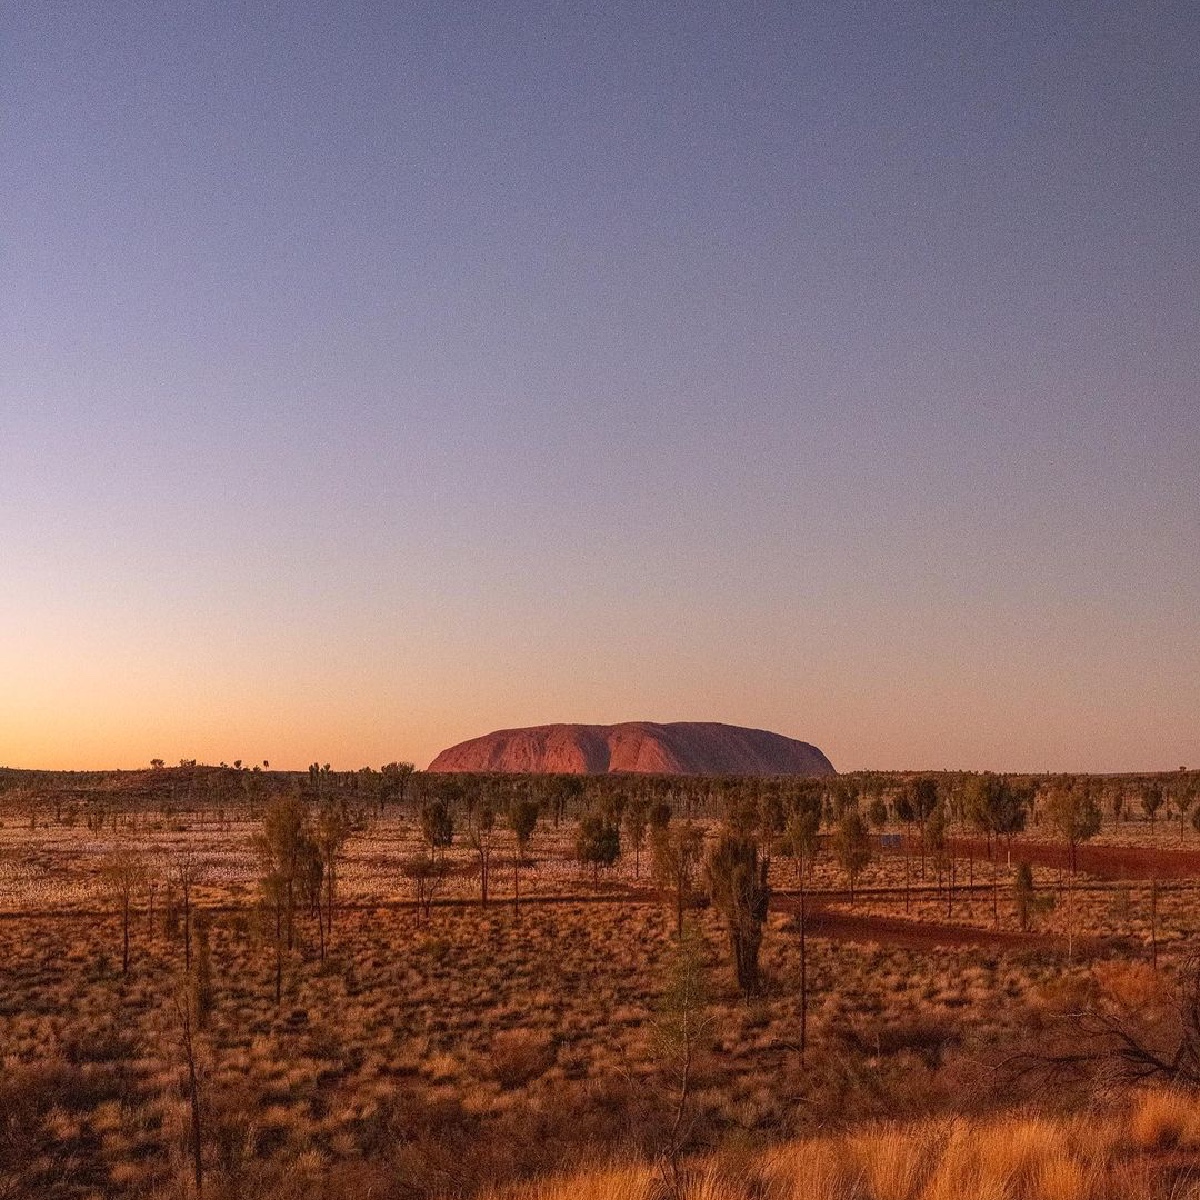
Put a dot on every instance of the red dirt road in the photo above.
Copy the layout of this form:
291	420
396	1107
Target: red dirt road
1102	862
922	935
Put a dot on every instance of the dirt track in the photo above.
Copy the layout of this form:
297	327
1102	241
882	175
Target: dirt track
924	935
1102	862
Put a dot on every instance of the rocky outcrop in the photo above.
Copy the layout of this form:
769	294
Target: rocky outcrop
645	747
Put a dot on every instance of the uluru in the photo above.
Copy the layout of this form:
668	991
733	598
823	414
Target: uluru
642	747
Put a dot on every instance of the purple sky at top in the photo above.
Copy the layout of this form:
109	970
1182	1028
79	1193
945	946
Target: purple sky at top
373	376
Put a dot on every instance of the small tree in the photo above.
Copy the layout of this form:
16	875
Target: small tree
522	820
1183	796
123	873
481	826
1075	815
285	848
998	808
660	816
1029	903
598	842
333	832
1152	800
935	837
426	874
801	837
681	1025
188	1024
396	777
676	851
282	845
851	846
637	822
924	802
183	875
905	810
437	825
737	879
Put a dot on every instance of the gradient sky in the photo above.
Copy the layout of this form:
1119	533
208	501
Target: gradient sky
376	375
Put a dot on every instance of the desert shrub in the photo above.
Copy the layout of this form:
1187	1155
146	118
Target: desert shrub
1164	1119
519	1056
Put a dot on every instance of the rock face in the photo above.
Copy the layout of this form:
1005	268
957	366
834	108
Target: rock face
677	748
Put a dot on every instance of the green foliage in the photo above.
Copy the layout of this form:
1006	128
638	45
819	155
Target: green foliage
396	776
677	850
742	814
851	846
996	805
437	824
637	822
1152	799
681	1012
1073	812
924	797
935	830
287	853
737	879
598	841
801	835
481	824
522	820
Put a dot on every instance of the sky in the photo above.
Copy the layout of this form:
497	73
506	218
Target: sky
376	375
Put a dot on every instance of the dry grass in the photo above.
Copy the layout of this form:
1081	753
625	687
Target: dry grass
472	1049
1014	1158
446	1058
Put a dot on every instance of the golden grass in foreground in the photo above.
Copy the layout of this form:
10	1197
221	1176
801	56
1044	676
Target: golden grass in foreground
1148	1155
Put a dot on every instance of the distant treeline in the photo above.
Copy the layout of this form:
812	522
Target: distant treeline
237	791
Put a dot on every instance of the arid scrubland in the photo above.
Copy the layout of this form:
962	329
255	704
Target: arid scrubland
244	998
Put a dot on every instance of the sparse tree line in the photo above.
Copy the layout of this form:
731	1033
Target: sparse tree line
660	824
237	788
